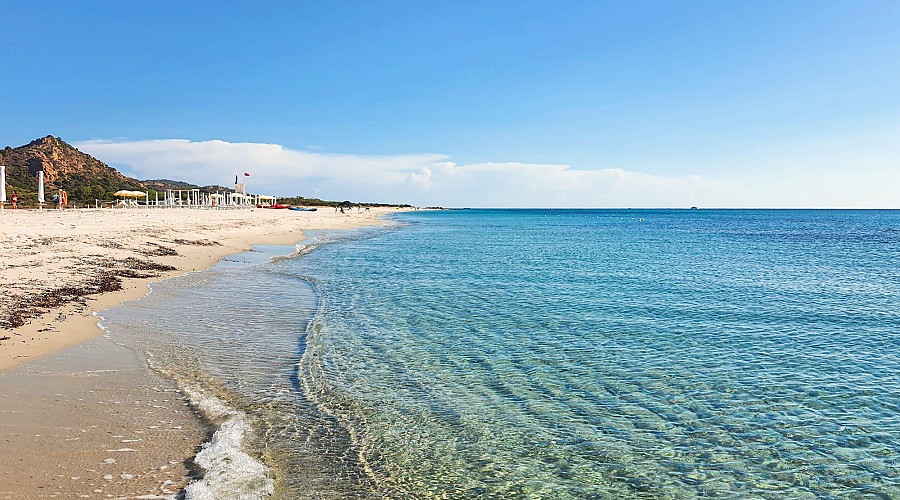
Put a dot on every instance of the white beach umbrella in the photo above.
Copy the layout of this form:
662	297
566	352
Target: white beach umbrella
2	183
41	186
130	194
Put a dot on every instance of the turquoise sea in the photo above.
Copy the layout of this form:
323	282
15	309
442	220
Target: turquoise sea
545	354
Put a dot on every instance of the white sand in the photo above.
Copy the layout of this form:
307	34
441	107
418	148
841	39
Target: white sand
43	252
91	420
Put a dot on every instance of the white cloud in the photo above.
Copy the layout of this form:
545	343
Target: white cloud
431	179
422	179
272	168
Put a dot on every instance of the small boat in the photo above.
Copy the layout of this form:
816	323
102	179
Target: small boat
277	205
304	209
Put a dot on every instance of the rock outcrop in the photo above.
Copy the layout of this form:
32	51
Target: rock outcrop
84	177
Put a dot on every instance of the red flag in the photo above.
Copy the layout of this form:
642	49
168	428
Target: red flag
246	174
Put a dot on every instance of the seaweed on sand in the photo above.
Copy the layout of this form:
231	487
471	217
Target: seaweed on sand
20	309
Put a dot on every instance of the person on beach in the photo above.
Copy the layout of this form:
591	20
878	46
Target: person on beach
15	200
56	200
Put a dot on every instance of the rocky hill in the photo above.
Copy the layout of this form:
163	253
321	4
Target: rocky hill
84	177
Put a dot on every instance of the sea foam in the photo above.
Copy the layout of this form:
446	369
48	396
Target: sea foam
230	472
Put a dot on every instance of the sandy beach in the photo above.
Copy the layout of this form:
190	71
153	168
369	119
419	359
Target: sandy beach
79	416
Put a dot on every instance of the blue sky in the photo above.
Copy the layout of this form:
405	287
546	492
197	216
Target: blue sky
719	103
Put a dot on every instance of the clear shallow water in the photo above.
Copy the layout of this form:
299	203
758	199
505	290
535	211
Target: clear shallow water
563	354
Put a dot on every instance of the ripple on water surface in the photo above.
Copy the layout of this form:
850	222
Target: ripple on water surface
566	354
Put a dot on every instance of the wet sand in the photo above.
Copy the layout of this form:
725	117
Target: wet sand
92	421
81	417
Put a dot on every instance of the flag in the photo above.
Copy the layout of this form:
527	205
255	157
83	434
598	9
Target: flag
235	179
246	174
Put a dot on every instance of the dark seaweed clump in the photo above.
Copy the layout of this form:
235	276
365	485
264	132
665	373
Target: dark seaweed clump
132	267
157	250
202	243
30	305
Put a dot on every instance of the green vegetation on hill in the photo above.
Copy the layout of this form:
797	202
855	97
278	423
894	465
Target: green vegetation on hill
84	177
87	179
316	202
163	184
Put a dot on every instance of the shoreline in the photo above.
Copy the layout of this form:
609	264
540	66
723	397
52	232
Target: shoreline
192	255
65	344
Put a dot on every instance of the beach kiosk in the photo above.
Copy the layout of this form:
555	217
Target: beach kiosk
265	200
239	199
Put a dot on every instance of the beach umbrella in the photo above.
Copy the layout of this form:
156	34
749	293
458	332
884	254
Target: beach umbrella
124	193
40	186
2	183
